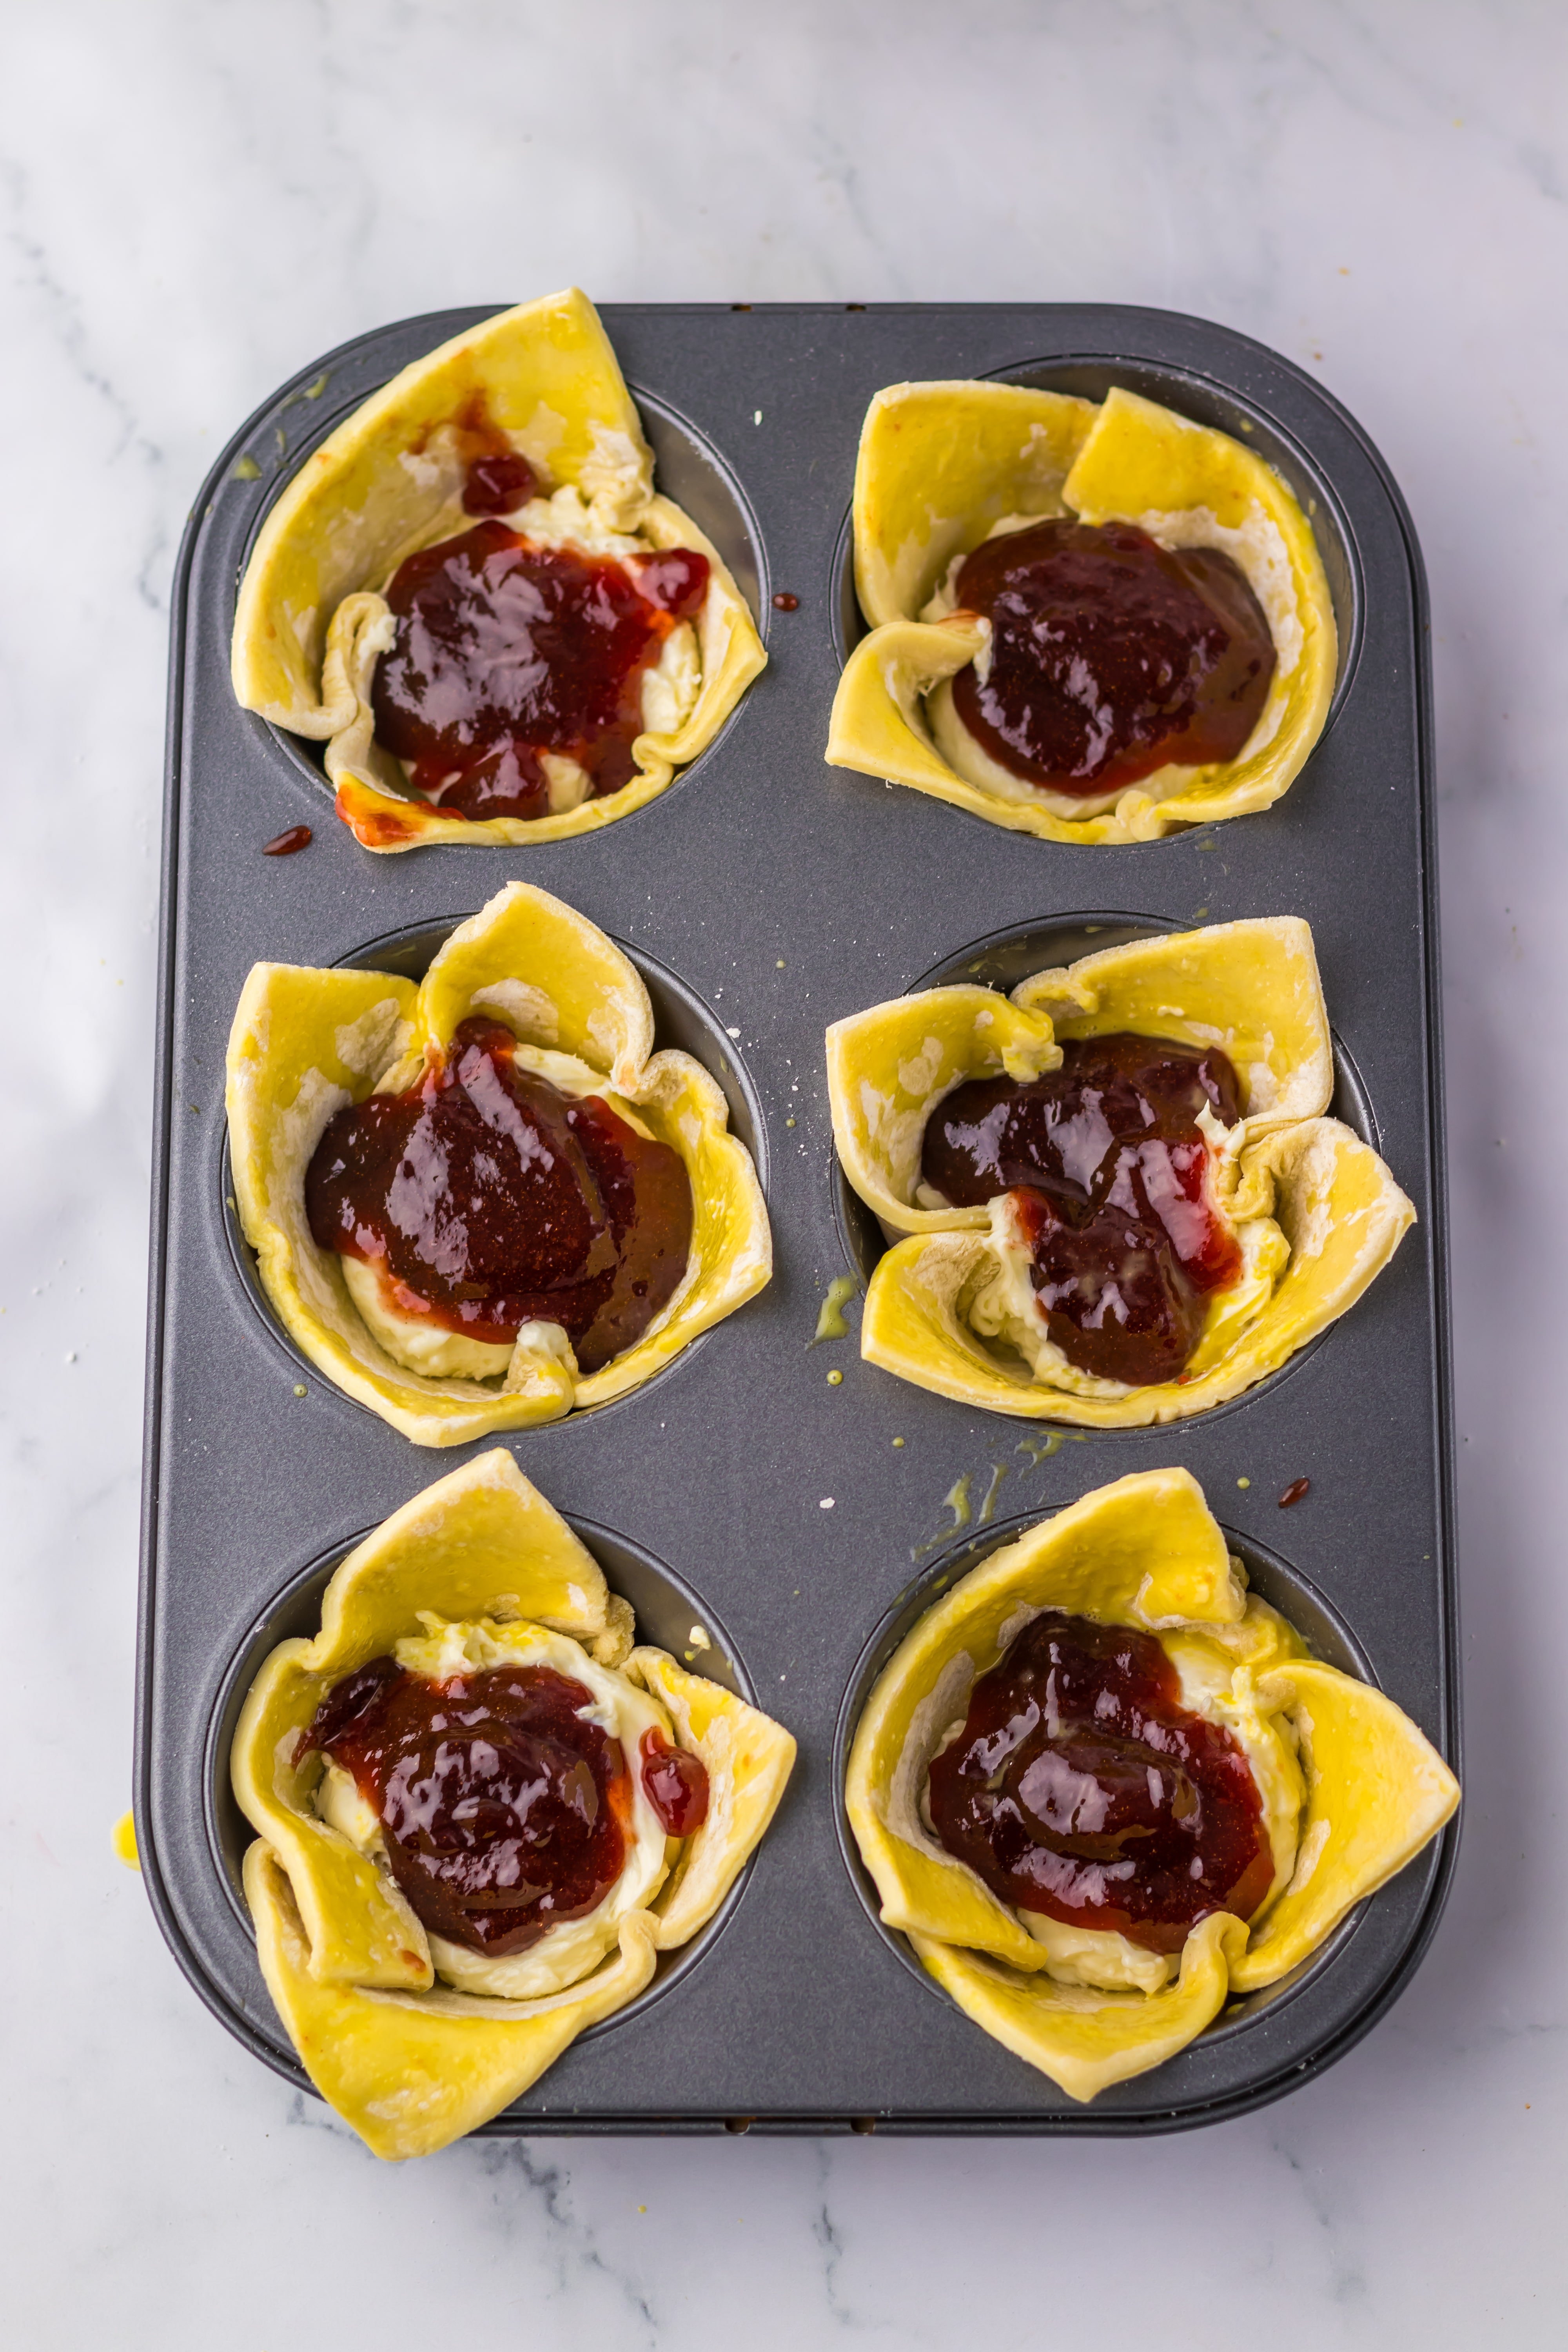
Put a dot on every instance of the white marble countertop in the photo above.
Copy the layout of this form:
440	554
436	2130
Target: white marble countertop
198	199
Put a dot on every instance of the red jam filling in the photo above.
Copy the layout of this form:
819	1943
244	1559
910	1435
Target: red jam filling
495	485
1080	1787
504	649
489	1199
504	1810
1111	655
675	1783
1108	1169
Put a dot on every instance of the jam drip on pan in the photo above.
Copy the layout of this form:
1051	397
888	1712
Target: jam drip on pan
1108	1169
504	1810
1080	1787
505	649
1111	655
489	1199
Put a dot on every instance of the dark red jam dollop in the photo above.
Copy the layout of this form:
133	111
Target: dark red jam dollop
1108	1167
490	1199
504	649
497	484
1079	1786
504	1810
1109	654
675	1783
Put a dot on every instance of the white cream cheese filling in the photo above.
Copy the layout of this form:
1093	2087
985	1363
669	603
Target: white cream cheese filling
569	1952
1214	1686
418	1342
670	688
1257	547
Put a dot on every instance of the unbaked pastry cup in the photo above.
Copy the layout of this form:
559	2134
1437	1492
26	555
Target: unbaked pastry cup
940	464
1144	1551
1251	987
305	1041
408	2063
388	479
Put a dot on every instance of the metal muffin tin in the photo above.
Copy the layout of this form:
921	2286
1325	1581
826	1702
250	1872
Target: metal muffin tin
764	895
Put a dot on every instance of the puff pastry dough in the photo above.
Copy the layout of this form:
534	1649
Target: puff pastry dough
410	2064
940	465
304	1042
1250	987
1144	1551
309	621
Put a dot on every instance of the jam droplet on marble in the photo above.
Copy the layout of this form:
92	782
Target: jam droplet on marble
676	1784
287	843
1109	1170
489	1199
1111	655
1081	1788
504	649
504	1810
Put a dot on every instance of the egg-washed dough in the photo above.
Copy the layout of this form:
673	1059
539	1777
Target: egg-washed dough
1316	1212
311	618
1353	1790
941	467
304	1042
479	1560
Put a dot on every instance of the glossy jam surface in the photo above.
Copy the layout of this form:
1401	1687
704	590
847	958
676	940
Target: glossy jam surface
505	1812
1111	655
288	843
1108	1171
1079	1786
504	649
498	483
675	1783
490	1199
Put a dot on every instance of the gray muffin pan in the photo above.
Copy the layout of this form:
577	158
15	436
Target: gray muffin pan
764	895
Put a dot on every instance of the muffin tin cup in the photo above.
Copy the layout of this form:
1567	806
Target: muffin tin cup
680	1020
765	894
667	1611
689	470
1268	1575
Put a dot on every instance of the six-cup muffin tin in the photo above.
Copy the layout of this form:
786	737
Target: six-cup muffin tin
764	895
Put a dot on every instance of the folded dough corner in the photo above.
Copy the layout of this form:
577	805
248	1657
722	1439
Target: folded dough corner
941	467
312	616
481	1558
1353	1789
